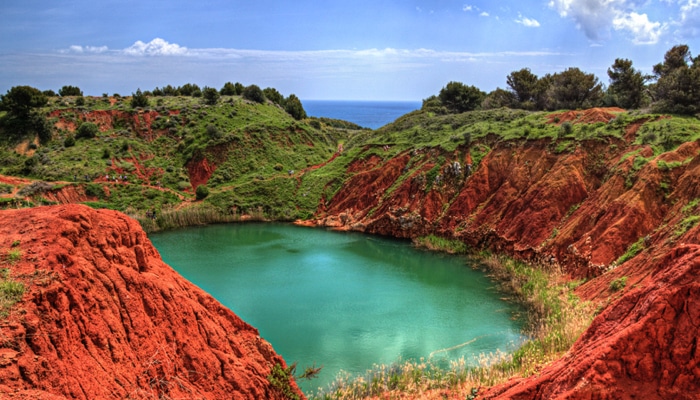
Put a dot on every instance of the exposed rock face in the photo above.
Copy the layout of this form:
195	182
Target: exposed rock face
104	317
579	209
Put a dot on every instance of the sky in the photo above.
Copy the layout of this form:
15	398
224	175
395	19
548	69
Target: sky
332	49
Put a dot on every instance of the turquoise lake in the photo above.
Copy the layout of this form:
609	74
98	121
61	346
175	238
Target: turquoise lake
344	301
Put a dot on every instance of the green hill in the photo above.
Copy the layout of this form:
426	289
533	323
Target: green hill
251	156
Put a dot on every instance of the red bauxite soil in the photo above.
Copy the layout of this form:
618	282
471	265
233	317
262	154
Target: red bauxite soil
645	346
103	317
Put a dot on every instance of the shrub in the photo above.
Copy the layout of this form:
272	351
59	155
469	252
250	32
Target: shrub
69	141
213	132
94	190
254	93
14	255
69	90
211	95
280	378
634	249
202	192
138	99
10	293
566	128
87	130
293	107
618	284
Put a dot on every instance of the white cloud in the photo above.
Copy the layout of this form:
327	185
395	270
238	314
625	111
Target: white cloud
596	17
467	7
156	47
160	47
484	14
85	49
643	31
528	22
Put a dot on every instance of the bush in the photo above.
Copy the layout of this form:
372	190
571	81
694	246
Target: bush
254	93
566	128
69	90
293	107
69	141
87	130
138	99
618	284
211	95
202	192
213	132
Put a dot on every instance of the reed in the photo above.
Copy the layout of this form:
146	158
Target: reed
438	243
171	218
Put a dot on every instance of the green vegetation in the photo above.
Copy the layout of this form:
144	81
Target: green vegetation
432	242
137	160
280	379
202	192
11	290
686	224
634	249
556	316
13	256
139	100
618	284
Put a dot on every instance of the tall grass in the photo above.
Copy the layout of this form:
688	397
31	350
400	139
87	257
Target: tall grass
171	218
556	318
438	243
11	292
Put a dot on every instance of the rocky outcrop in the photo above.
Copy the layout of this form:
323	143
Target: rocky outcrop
103	317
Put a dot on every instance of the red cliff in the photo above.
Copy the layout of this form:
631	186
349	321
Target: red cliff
103	317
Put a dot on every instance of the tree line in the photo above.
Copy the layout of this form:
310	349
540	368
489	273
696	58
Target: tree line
290	104
674	87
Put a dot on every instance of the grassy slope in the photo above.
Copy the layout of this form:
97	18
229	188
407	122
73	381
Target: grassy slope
252	147
264	160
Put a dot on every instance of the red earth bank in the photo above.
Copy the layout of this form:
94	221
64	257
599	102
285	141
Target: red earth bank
103	317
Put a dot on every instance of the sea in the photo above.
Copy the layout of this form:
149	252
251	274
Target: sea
367	114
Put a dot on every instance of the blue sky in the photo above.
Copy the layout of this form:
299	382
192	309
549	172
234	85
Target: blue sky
359	50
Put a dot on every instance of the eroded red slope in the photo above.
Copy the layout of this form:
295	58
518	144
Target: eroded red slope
104	317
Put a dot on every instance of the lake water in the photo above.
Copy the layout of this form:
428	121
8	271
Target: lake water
340	300
368	114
